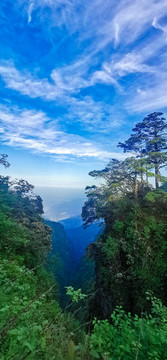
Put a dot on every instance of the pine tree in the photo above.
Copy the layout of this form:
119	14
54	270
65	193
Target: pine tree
148	142
154	128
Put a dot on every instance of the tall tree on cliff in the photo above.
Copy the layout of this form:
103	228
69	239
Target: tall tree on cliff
136	144
119	178
130	256
155	132
149	143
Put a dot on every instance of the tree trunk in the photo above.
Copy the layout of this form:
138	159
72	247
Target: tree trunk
156	176
135	185
142	181
141	165
147	178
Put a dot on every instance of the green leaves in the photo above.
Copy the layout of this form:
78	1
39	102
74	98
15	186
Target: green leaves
31	324
110	248
128	338
76	295
159	194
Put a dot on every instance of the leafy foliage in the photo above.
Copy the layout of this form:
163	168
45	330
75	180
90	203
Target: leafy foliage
127	337
149	142
130	256
4	161
76	295
23	231
32	325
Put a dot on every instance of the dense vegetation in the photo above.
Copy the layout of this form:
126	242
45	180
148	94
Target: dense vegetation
124	314
32	325
131	254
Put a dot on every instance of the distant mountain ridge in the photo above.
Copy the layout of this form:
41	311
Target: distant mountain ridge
72	222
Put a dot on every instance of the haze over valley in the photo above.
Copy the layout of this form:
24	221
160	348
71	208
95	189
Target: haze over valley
61	203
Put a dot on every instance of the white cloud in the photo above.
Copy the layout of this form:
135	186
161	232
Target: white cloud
147	91
150	98
66	80
118	22
131	17
156	25
61	13
93	115
136	61
121	66
33	130
26	84
103	76
72	78
115	23
130	63
134	17
103	22
30	10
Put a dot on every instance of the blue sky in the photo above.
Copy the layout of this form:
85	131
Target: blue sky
75	76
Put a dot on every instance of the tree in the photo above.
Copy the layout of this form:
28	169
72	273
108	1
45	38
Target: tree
154	127
22	187
3	160
136	144
90	213
149	143
119	179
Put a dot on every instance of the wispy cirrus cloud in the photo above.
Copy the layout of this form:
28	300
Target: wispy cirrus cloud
133	18
149	97
33	130
95	116
116	20
147	64
119	24
66	80
156	24
139	60
64	88
27	84
53	13
114	70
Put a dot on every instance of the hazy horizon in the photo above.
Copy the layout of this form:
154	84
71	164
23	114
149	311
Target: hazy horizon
61	203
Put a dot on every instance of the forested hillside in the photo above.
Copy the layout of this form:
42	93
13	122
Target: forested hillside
32	325
122	313
131	255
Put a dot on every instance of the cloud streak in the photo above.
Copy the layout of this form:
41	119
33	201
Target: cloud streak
33	130
117	21
28	85
92	115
